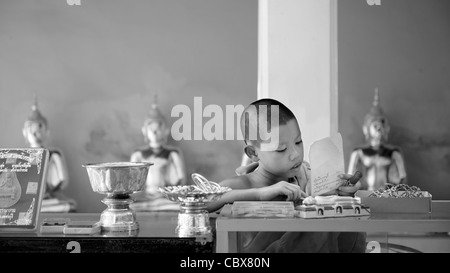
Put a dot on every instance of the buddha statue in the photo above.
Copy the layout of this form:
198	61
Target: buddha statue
36	134
381	163
168	167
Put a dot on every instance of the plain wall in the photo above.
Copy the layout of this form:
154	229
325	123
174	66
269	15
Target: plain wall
401	47
96	67
295	63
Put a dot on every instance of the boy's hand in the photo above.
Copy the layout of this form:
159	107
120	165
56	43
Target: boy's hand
291	191
348	190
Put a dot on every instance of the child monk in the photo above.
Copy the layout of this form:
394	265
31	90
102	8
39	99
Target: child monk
280	173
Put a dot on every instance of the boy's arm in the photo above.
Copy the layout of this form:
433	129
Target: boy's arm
232	196
242	191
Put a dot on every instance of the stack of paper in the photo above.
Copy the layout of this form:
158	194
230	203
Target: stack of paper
263	209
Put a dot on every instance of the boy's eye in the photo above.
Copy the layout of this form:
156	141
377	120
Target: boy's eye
280	151
299	142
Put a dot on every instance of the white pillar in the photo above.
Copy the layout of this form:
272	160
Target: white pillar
297	62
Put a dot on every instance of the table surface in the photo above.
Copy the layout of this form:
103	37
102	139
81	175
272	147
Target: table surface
437	221
228	227
151	225
157	230
156	234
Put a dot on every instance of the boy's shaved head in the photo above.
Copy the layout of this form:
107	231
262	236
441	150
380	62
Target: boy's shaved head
260	116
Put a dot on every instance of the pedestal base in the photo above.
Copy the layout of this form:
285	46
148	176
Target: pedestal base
118	217
193	221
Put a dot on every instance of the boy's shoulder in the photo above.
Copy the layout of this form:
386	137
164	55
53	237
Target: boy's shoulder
237	182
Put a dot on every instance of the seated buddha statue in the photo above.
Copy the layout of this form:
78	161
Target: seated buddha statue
168	167
381	163
36	134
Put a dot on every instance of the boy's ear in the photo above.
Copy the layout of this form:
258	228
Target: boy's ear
250	151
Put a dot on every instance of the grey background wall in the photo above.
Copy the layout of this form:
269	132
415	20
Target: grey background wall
96	68
403	48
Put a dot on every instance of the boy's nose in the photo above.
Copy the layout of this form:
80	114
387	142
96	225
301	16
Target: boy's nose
294	155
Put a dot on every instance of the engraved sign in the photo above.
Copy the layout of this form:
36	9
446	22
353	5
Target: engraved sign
22	173
10	190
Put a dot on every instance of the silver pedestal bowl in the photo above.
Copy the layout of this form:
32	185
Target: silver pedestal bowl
118	180
193	218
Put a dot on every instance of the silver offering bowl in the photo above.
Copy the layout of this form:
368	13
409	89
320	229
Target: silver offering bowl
193	218
118	180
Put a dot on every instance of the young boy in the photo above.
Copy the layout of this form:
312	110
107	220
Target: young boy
280	174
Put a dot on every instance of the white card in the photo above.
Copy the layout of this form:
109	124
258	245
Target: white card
326	157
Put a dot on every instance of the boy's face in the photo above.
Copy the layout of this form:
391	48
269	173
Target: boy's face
286	160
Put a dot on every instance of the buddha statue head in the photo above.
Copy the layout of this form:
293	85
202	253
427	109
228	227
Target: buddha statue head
35	129
155	129
376	127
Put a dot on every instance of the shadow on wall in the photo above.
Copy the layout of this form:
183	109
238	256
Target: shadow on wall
96	67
